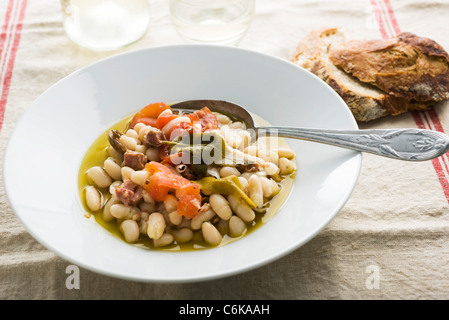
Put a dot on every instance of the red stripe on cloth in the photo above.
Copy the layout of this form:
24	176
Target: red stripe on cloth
435	162
435	120
5	25
15	40
393	20
431	113
378	16
438	127
430	125
418	120
441	176
5	39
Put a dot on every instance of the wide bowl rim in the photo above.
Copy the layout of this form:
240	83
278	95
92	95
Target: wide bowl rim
257	264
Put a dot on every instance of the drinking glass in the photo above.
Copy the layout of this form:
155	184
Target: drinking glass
105	24
212	21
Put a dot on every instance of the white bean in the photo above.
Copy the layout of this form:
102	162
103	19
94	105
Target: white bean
128	142
251	150
156	225
114	154
112	168
237	125
99	177
246	175
276	188
241	209
246	139
201	217
268	156
152	154
139	177
107	216
229	171
164	240
143	223
210	234
147	197
285	153
261	173
132	133
271	169
138	126
122	212
141	148
243	182
233	140
255	190
175	218
286	166
223	119
112	188
236	227
170	203
182	235
127	172
130	230
221	206
93	198
267	187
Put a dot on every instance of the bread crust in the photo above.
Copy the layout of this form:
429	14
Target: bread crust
406	66
365	101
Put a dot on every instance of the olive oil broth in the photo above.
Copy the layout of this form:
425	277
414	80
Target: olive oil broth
97	153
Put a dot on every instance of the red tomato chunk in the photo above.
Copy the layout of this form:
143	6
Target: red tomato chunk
163	180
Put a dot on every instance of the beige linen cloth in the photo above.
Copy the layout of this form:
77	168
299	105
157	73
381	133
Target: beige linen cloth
391	239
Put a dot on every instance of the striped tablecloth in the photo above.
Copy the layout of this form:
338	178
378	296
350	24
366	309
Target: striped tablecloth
390	241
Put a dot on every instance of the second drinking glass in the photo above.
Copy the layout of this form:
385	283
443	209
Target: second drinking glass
212	21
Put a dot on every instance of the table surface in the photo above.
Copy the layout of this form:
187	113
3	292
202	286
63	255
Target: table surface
389	241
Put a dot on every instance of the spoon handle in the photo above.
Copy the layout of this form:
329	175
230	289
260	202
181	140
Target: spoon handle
403	144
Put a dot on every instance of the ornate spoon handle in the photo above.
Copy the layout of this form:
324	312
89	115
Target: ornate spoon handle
402	144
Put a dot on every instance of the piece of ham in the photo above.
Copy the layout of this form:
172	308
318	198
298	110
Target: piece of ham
135	160
153	138
129	193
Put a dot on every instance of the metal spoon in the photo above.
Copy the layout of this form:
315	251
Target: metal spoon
403	144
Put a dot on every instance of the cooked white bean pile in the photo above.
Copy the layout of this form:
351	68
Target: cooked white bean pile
221	216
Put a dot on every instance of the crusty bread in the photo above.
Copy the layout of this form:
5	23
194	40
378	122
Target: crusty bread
406	66
365	101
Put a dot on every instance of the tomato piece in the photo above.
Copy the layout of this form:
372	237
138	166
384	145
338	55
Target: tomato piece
152	110
156	190
164	118
152	167
189	200
163	180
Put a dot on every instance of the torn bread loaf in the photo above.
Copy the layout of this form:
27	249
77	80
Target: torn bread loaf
406	66
365	101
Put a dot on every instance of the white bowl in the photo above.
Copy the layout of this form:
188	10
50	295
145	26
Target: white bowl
45	150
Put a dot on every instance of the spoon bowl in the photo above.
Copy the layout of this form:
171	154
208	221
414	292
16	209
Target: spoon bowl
403	144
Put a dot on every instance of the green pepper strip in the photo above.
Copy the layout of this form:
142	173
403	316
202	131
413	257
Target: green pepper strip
227	186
